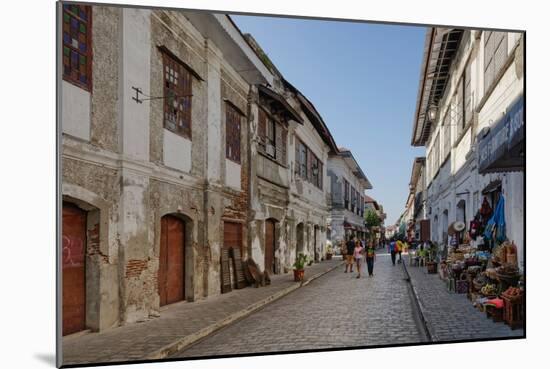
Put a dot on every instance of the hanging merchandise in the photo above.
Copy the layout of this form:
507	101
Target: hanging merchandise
475	227
485	210
496	225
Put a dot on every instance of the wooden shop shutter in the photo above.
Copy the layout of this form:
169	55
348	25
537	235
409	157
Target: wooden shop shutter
238	268
225	274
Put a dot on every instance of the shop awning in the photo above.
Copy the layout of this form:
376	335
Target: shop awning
501	148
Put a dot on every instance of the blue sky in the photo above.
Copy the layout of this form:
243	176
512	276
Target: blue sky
363	79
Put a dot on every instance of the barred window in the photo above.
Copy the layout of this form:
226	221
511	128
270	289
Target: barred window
177	92
77	45
232	134
495	54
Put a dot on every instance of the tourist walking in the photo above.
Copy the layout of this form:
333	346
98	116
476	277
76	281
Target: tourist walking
350	246
391	247
358	255
399	249
370	257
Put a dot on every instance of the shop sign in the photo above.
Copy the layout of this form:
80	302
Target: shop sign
503	147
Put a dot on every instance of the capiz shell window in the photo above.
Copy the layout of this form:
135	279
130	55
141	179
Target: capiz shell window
77	45
177	96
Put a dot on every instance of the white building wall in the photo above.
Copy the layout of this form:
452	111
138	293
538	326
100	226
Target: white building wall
464	181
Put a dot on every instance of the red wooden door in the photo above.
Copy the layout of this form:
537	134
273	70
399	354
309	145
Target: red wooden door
232	235
171	274
270	245
74	269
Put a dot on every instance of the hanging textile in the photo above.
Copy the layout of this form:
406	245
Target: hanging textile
496	225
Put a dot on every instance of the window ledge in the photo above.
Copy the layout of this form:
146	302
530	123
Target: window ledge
271	158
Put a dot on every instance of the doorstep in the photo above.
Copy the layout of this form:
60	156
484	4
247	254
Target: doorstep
182	324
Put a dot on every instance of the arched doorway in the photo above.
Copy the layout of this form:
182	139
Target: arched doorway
299	239
269	254
171	274
74	242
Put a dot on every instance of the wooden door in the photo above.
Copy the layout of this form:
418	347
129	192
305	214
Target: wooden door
232	235
171	276
270	245
74	268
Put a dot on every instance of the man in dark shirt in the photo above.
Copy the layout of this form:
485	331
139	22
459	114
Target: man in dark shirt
350	246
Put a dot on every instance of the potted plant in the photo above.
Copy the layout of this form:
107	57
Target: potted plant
330	251
299	267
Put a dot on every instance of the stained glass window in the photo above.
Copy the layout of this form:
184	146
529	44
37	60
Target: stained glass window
77	46
177	93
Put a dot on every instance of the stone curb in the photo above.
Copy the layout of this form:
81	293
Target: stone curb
425	324
188	340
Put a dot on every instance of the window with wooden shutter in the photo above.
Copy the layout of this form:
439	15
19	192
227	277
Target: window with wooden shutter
262	124
232	134
495	54
346	194
437	153
278	141
282	145
297	162
468	94
309	165
447	134
459	96
77	45
270	146
303	161
321	175
177	96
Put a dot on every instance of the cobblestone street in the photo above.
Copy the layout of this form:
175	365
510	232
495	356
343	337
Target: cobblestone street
336	310
451	316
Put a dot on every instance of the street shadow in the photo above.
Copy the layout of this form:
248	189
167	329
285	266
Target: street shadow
46	358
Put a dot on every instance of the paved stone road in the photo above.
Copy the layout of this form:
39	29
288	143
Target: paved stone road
451	316
336	310
138	341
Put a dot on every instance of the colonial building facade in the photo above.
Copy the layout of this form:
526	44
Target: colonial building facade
470	118
155	158
289	189
182	145
348	184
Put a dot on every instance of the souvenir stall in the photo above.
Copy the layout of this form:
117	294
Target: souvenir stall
483	265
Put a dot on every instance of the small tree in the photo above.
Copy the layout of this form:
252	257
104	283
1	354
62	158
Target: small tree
372	219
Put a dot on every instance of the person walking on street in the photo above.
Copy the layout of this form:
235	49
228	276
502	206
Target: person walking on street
350	246
371	256
358	255
399	249
391	248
